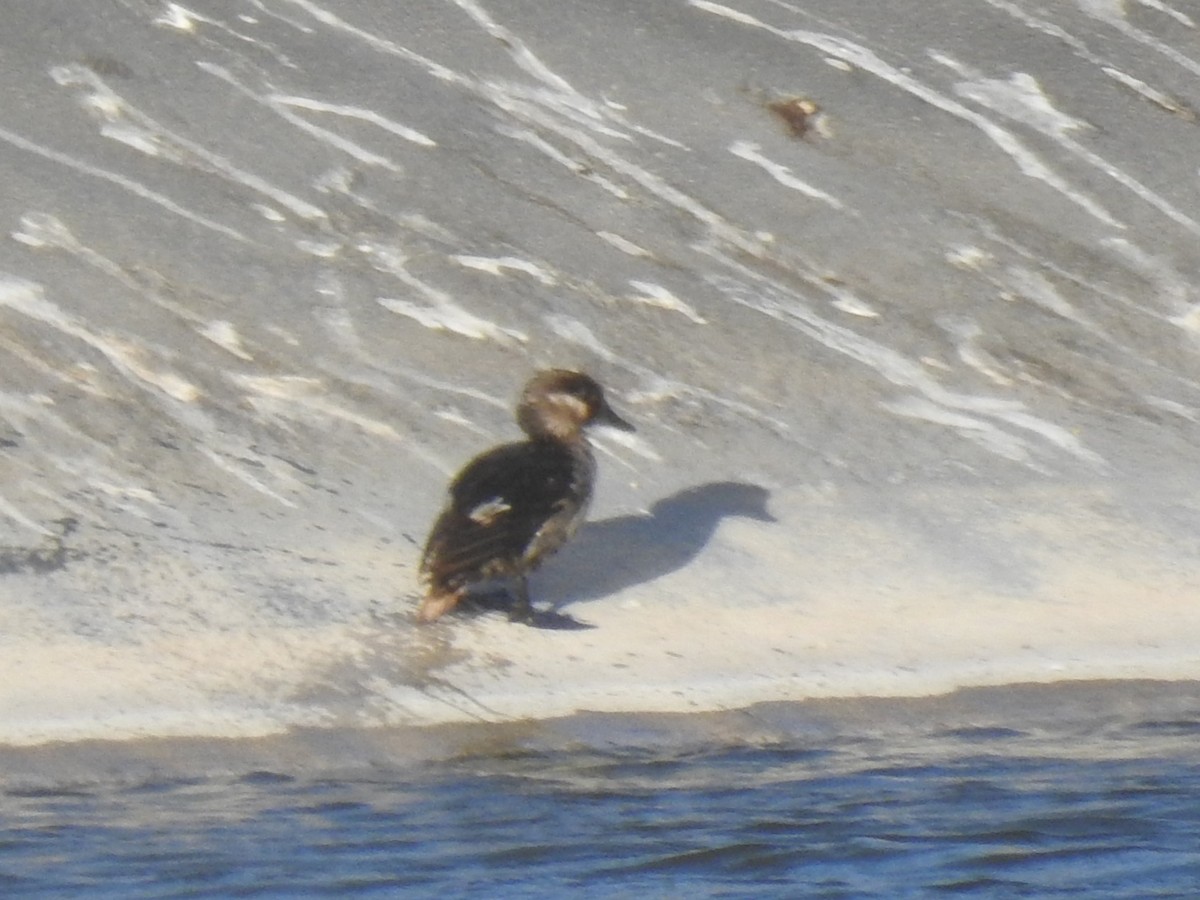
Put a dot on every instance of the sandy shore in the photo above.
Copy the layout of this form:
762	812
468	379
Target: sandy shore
841	599
915	372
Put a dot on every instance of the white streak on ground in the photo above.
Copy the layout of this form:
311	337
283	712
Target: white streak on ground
969	257
1112	12
634	443
855	307
1173	407
1035	287
1153	94
130	499
1157	5
339	326
126	356
128	184
1171	285
442	313
283	104
119	120
521	53
14	514
982	432
658	296
575	166
243	476
623	244
773	301
304	29
224	334
355	112
44	231
751	153
383	45
1022	99
177	17
864	59
183	19
498	265
561	93
551	107
303	398
336	141
653	184
965	333
446	315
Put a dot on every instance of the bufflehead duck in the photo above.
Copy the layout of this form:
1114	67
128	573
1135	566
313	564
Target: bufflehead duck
516	504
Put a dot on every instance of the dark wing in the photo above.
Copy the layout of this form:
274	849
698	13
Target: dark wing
498	503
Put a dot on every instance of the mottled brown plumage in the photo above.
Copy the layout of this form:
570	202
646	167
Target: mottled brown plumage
516	504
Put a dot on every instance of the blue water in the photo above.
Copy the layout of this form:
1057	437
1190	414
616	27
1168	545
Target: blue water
1081	811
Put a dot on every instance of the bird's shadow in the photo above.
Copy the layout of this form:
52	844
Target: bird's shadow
499	600
613	554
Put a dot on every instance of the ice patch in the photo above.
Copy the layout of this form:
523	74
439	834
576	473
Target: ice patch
175	16
1019	98
320	249
658	296
625	246
969	257
224	334
497	266
855	307
449	316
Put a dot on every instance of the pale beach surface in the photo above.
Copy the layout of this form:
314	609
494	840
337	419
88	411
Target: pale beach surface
916	373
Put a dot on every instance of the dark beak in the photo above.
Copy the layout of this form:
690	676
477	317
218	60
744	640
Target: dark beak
606	416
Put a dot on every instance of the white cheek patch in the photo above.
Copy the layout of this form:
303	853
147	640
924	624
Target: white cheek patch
487	512
572	405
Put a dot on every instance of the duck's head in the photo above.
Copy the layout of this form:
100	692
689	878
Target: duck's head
558	404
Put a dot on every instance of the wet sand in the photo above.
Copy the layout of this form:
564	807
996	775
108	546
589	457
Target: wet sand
1086	710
